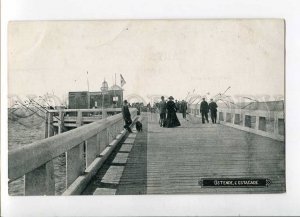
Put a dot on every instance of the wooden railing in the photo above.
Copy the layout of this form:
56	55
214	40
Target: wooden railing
86	148
58	121
262	122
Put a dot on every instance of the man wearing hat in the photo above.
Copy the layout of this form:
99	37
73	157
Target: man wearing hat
126	116
204	110
213	110
162	111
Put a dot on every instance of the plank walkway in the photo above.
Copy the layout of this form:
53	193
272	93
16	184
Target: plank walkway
172	160
178	157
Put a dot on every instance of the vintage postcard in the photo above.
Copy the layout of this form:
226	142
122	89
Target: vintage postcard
137	107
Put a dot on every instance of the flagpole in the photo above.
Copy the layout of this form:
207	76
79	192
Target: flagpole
122	91
87	79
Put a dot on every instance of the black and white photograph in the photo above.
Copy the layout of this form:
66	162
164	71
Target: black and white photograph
143	107
150	108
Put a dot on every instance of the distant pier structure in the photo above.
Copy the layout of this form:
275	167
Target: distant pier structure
108	97
84	107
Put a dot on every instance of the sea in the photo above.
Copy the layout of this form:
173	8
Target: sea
24	127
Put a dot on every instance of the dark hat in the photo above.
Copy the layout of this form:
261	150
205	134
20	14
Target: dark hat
171	97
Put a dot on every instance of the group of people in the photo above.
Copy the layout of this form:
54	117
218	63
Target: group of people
168	117
204	109
167	113
168	110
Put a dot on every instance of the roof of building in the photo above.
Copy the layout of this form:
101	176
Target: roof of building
115	87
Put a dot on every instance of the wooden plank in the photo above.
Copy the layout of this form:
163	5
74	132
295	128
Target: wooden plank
178	157
129	140
113	175
40	181
126	148
121	158
75	163
105	191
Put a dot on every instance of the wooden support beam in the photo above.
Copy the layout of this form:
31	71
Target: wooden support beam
75	163
50	125
40	181
79	119
92	150
46	124
60	121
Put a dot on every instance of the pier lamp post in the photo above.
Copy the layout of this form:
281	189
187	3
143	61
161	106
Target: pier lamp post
104	90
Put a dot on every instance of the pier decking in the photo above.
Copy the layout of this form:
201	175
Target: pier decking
172	160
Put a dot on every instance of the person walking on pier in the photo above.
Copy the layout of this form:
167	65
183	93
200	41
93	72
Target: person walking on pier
126	116
204	111
162	106
213	110
172	120
183	108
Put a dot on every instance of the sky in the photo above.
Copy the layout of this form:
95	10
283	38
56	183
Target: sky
155	57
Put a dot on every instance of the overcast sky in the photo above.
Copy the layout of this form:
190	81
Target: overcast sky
154	57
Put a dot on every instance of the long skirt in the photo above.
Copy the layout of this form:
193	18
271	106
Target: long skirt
172	120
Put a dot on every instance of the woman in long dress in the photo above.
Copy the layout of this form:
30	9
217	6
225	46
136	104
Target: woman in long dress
172	120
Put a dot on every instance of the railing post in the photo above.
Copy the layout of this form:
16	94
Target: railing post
50	124
104	114
46	124
103	139
79	119
92	149
276	124
41	180
243	116
257	122
75	164
60	121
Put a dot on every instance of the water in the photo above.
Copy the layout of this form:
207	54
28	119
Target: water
25	127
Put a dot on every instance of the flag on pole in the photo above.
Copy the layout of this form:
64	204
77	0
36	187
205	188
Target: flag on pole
123	82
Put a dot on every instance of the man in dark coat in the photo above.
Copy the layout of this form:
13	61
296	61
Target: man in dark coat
126	116
183	108
213	110
162	111
204	110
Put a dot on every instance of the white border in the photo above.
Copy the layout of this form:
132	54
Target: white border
207	205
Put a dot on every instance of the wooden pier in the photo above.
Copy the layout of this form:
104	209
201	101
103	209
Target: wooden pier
173	160
101	158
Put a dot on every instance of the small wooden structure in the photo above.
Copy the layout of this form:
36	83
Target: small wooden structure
58	121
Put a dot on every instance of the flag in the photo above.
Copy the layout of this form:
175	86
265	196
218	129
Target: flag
123	82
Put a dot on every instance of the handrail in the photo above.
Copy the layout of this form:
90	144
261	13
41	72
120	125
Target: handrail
29	157
237	118
86	110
